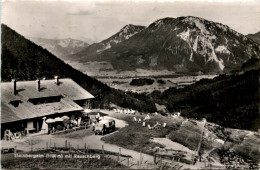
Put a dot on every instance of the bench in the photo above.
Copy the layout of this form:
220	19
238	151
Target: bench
7	149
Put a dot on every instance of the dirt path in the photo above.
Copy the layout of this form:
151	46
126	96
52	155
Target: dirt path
172	145
95	142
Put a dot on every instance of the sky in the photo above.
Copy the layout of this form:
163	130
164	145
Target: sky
98	20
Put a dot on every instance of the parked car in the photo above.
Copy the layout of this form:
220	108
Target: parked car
104	126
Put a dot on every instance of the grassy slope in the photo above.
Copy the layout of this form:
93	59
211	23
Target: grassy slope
136	137
24	60
185	132
189	135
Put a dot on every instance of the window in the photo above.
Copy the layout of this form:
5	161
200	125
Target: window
44	100
15	103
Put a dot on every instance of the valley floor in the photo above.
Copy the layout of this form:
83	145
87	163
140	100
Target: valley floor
123	83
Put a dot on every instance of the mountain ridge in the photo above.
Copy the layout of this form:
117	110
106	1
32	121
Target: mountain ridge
255	37
183	44
124	33
60	47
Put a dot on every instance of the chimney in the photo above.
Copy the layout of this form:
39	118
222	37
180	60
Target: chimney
57	81
38	85
14	83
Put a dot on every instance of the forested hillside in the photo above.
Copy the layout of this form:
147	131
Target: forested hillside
231	101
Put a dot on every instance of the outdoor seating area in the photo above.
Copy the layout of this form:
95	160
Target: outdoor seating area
65	124
8	135
155	126
176	115
125	111
58	125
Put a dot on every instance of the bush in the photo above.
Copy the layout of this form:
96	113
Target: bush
161	81
141	82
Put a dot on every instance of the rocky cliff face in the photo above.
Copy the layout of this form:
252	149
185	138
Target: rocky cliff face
184	44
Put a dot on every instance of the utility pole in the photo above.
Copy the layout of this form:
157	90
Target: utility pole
201	138
225	87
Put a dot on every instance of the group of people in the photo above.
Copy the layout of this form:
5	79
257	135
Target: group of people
65	125
96	120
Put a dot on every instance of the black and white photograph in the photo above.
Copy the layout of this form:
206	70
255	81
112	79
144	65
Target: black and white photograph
130	84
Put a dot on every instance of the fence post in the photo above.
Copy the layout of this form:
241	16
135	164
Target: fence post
70	147
31	146
205	165
15	151
161	167
103	150
87	152
66	142
140	158
127	161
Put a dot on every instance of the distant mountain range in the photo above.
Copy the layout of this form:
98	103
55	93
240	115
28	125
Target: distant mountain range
60	47
125	33
255	37
184	44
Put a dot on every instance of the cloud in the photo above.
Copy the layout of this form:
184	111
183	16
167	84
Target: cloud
81	12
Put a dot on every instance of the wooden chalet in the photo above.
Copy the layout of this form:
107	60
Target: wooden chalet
26	105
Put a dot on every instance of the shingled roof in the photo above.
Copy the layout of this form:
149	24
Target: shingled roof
68	91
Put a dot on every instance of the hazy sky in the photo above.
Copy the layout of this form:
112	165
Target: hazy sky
99	20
